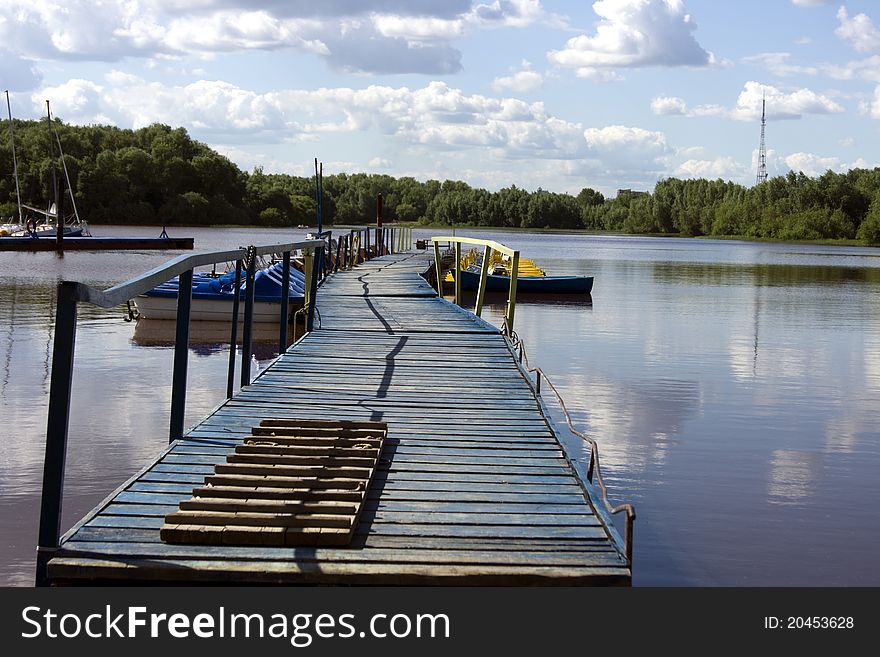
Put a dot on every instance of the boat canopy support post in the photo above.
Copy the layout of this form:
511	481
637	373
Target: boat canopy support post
458	273
233	337
511	298
437	271
285	302
181	355
484	280
60	388
247	335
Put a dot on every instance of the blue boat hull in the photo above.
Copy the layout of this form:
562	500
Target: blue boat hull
530	284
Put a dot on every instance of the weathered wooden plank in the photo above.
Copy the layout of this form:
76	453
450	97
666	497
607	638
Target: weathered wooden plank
376	555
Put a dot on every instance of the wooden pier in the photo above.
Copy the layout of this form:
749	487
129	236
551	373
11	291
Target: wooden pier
97	244
473	486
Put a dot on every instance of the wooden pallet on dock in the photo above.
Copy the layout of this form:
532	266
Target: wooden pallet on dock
292	482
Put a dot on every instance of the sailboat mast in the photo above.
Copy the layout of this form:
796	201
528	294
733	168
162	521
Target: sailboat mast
59	223
66	176
14	160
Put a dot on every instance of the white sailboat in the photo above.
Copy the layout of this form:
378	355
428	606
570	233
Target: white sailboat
48	226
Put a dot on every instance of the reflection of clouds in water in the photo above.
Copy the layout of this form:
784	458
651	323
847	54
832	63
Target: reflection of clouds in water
856	424
633	422
743	359
792	476
872	362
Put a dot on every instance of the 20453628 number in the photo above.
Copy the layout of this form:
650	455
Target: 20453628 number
820	622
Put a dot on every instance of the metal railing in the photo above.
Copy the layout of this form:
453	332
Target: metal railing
489	247
71	293
594	470
362	244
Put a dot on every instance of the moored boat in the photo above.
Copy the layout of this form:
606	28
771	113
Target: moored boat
470	280
212	296
530	278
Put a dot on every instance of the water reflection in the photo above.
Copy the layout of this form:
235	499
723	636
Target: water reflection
792	476
206	338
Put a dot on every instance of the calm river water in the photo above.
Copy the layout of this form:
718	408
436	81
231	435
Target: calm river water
734	389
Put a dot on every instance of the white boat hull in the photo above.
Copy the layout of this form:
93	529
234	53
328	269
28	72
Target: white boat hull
207	310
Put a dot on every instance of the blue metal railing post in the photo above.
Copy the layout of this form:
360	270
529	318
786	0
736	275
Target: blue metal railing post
233	338
285	300
60	389
181	355
313	290
247	336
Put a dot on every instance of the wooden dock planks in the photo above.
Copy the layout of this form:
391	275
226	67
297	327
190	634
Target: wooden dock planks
473	486
291	482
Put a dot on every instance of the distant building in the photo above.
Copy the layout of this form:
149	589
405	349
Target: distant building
630	192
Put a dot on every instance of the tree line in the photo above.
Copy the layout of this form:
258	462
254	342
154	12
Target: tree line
160	175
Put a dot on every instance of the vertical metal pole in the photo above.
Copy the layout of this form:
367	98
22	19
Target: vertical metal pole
60	388
181	355
338	247
285	301
247	335
511	299
308	266
438	273
233	338
458	273
14	161
628	538
313	292
484	281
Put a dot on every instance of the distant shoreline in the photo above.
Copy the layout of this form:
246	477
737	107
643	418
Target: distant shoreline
511	229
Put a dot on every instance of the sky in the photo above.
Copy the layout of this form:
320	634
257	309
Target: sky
559	95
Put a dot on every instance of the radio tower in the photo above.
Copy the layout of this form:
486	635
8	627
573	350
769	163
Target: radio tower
762	151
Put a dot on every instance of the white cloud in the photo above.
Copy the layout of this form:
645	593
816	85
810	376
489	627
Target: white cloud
628	154
859	31
874	105
373	36
668	105
380	163
781	105
778	64
727	168
523	81
634	33
815	165
436	115
812	165
418	27
76	101
811	3
866	69
802	41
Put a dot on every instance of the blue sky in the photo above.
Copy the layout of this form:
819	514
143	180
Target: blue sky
538	93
